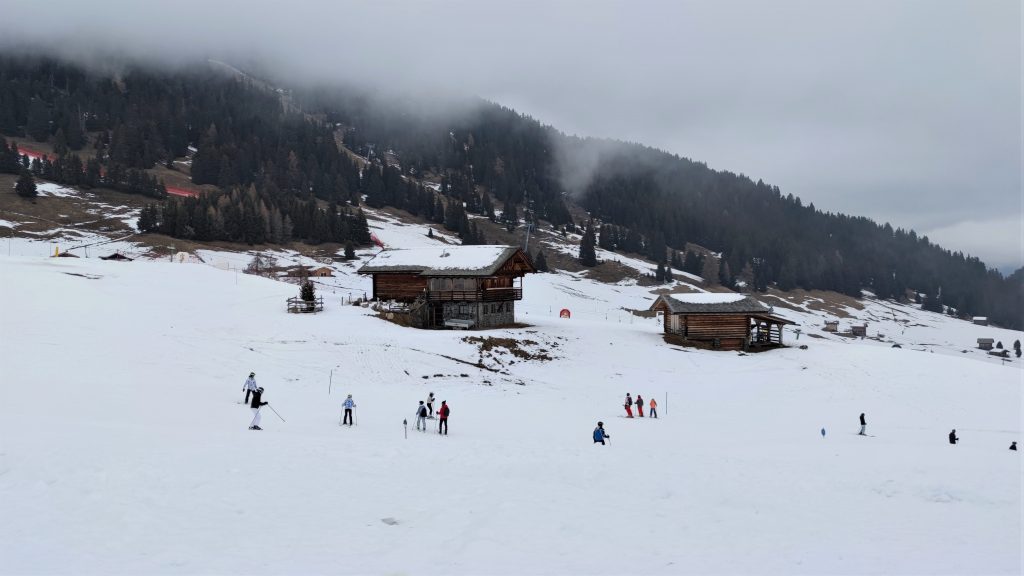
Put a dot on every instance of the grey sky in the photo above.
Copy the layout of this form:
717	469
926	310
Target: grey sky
902	110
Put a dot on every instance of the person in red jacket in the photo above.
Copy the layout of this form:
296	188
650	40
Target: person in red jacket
442	414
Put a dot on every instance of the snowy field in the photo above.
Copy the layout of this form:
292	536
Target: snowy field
124	450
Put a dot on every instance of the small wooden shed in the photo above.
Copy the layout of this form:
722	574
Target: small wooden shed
322	272
985	343
721	321
980	320
831	326
861	330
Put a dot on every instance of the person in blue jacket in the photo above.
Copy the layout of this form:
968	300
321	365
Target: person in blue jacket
349	404
600	434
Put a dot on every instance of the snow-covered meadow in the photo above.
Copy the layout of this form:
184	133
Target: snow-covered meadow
124	450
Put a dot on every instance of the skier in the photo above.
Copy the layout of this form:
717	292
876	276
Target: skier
421	417
257	401
863	425
430	405
443	413
654	409
952	437
639	405
250	386
348	405
600	434
629	405
1013	446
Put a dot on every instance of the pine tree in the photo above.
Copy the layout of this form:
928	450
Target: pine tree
26	185
588	254
541	264
308	291
350	251
659	273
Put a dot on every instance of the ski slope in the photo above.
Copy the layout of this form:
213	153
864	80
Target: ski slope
124	450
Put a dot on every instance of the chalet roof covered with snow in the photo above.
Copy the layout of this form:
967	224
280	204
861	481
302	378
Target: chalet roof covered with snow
444	260
709	303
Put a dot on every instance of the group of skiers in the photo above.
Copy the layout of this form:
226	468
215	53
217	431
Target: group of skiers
425	411
639	404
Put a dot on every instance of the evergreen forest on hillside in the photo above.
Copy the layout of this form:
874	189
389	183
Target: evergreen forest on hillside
301	171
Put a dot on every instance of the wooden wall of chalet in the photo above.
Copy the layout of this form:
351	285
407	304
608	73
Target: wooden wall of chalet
729	329
398	287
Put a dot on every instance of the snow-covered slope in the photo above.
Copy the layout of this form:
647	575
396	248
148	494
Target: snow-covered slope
123	449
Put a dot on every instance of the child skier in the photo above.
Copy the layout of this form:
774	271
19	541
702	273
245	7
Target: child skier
421	417
654	409
600	434
629	405
430	405
863	425
348	405
443	412
257	402
250	386
639	405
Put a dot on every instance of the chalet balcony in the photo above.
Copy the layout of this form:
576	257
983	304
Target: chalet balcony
485	295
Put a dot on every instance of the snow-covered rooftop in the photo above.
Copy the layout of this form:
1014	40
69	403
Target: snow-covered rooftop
441	260
709	298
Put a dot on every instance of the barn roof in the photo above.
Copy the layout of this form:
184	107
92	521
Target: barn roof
445	260
710	303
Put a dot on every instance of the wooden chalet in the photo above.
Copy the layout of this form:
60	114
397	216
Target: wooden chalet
980	320
719	321
986	343
452	286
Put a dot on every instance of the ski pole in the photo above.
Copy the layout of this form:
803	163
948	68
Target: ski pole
330	382
275	412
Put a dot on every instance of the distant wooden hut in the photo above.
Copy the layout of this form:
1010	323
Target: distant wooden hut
861	330
322	272
985	343
719	321
980	320
452	286
831	326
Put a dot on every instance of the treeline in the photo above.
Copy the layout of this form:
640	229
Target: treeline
69	169
255	216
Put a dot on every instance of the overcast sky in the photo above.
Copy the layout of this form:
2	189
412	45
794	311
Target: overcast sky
902	110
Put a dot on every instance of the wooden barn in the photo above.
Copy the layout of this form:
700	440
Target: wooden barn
452	286
724	321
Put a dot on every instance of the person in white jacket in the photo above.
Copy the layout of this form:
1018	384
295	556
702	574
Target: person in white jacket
250	386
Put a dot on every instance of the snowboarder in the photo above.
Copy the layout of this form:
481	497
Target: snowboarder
421	417
1013	446
257	402
952	437
863	425
430	405
443	413
349	404
629	405
654	409
250	386
639	405
600	434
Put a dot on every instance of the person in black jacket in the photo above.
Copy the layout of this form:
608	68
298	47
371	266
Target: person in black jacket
257	402
952	437
863	425
1013	446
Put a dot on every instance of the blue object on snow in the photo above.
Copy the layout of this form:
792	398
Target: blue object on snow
822	432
